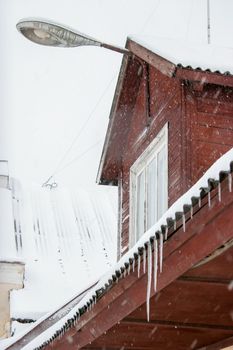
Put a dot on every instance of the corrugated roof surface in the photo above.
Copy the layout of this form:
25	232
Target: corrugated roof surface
67	239
187	54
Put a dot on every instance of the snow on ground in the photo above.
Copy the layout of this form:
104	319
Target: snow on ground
196	55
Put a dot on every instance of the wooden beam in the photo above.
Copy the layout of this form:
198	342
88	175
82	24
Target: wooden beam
120	116
175	324
119	348
209	280
162	64
208	230
202	77
221	345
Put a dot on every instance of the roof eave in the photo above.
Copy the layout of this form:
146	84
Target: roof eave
204	76
206	241
117	93
165	66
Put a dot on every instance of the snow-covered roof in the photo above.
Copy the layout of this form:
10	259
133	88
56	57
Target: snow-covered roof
67	237
186	53
153	239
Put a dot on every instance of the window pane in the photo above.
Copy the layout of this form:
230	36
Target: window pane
140	204
152	193
162	180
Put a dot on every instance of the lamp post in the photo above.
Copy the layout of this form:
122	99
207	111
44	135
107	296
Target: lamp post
48	33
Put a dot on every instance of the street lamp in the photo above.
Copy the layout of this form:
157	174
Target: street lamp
48	33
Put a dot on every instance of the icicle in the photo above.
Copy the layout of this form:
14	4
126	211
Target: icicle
191	212
219	192
209	199
139	265
174	227
133	267
166	233
144	260
183	221
155	263
129	269
160	252
230	182
199	202
149	278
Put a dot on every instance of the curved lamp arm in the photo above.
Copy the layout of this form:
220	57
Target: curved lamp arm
48	33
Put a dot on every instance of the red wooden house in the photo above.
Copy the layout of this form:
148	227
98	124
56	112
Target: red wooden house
172	290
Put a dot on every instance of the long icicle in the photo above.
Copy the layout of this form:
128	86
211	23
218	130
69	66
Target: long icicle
199	202
128	270
166	232
191	212
183	222
219	192
209	199
160	252
155	263
149	279
230	182
139	265
144	260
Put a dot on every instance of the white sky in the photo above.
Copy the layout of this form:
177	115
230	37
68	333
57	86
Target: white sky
48	93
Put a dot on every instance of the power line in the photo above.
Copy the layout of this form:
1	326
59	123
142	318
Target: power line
150	16
208	21
81	130
57	170
79	156
189	20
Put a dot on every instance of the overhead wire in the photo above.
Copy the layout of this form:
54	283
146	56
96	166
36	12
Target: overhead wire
75	159
189	20
91	114
57	168
150	16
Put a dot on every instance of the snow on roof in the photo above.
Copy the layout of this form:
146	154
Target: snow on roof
186	53
67	238
126	263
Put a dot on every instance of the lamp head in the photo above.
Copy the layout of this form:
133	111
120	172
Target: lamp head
52	34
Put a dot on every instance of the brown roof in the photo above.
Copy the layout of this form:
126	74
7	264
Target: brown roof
201	223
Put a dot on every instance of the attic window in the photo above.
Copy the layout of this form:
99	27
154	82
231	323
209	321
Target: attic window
149	183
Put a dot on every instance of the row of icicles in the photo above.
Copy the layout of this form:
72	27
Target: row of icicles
153	250
152	256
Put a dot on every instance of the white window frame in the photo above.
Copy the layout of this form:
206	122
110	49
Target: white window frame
160	141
